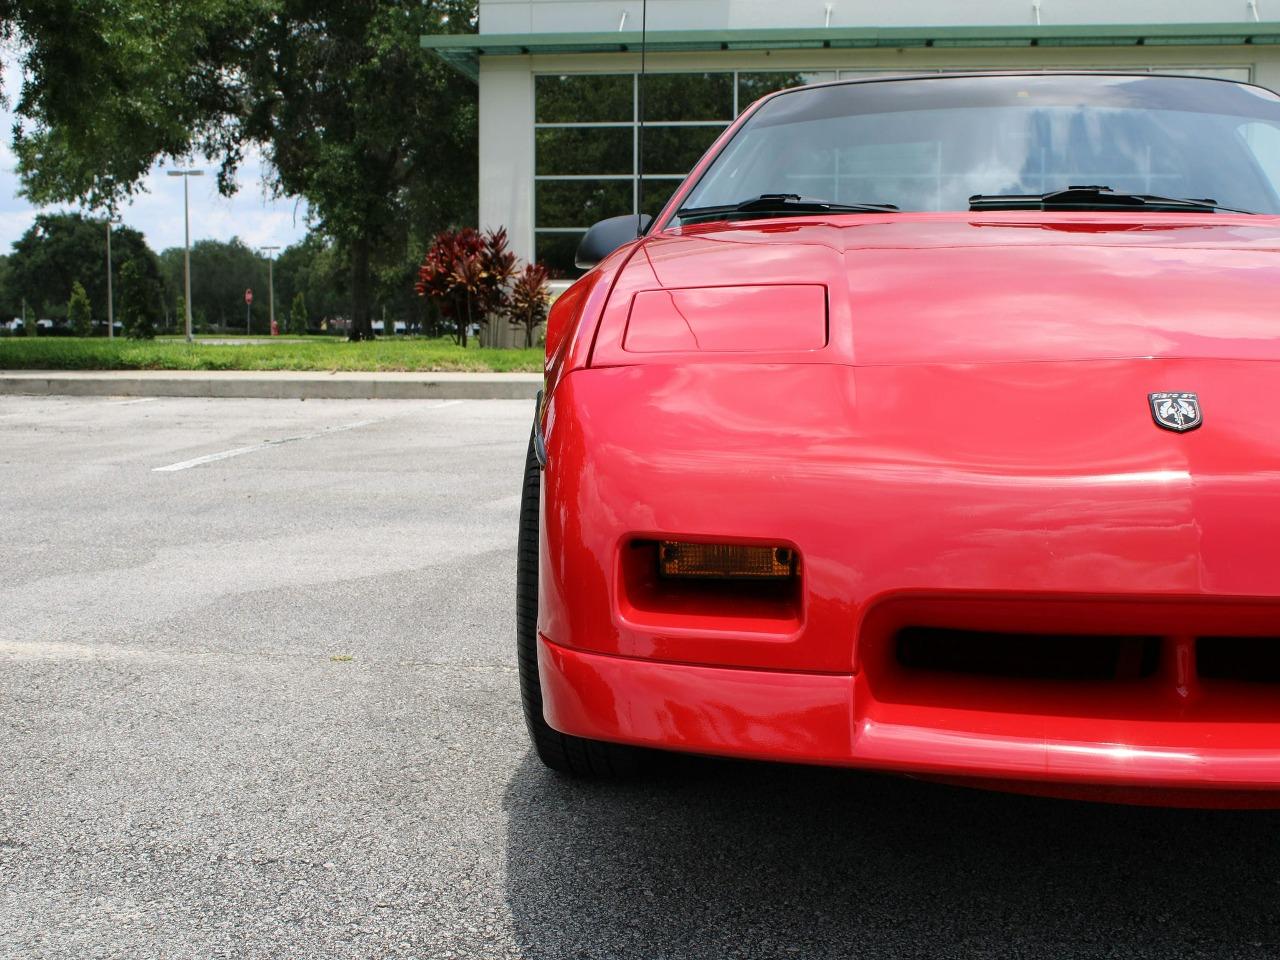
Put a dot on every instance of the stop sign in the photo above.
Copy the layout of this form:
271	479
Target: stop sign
248	296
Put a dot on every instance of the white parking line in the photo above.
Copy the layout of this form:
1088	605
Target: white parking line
267	444
125	403
224	455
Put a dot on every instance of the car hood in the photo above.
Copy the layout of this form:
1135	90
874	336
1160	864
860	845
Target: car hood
1009	287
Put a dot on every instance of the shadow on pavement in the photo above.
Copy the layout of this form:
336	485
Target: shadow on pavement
719	859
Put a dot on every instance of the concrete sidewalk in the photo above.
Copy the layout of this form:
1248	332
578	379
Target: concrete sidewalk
271	384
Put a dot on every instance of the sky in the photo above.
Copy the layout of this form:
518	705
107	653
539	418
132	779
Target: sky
157	211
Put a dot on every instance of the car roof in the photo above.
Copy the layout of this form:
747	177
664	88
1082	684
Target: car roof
980	74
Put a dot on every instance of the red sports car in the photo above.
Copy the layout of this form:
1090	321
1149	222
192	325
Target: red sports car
932	427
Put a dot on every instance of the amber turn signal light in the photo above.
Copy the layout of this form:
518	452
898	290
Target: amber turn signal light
725	561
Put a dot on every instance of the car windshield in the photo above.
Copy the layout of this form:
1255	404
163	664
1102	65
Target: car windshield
931	144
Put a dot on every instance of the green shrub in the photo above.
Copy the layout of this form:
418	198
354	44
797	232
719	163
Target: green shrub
79	316
298	315
138	302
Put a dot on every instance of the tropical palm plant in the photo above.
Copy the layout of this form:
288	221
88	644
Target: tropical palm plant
528	300
466	273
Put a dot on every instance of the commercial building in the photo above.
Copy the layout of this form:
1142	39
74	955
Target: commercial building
560	98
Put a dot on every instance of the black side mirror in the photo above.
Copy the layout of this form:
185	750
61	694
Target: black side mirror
607	236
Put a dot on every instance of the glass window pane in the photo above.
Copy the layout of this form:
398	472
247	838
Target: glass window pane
556	252
585	98
688	96
1034	134
655	192
1263	141
676	149
580	203
585	150
753	86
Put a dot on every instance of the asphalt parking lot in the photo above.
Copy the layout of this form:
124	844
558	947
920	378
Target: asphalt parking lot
264	705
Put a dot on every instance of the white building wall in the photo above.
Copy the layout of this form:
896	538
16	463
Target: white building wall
588	16
506	149
506	162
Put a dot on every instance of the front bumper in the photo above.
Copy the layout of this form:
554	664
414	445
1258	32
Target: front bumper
1034	498
834	720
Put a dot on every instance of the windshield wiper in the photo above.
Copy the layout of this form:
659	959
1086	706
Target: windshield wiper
781	203
1094	198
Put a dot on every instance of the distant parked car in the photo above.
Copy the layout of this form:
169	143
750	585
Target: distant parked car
16	325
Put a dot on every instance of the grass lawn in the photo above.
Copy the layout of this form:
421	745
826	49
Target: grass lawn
246	336
317	353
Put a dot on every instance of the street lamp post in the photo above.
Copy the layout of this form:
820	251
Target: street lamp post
186	176
111	303
271	285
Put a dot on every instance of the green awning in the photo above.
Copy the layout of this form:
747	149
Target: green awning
464	50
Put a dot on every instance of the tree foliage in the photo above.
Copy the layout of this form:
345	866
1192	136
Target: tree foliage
113	85
351	114
59	250
79	316
139	301
220	274
10	303
528	300
376	134
222	271
314	268
298	314
465	273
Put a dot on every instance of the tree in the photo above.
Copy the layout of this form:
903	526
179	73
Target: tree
59	250
10	306
298	314
466	274
220	274
79	316
528	300
315	268
110	87
139	302
374	133
349	111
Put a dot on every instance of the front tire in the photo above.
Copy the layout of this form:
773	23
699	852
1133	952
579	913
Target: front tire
573	756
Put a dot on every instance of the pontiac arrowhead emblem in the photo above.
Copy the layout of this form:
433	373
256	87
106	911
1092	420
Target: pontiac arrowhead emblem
1179	412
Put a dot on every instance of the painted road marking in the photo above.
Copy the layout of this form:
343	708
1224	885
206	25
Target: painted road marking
268	444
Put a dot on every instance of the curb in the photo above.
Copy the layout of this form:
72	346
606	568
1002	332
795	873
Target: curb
511	386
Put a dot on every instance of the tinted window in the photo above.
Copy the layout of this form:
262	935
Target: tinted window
595	98
931	144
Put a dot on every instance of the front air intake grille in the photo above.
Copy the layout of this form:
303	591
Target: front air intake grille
1108	659
1248	659
1027	656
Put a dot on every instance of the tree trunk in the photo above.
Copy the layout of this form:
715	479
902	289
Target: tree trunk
459	322
361	322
